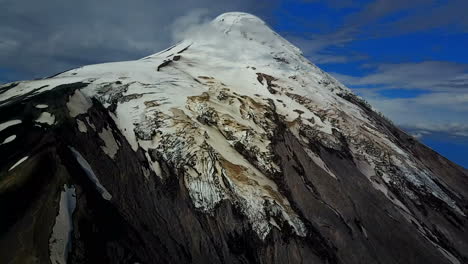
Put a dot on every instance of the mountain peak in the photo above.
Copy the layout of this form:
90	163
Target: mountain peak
245	26
231	140
231	18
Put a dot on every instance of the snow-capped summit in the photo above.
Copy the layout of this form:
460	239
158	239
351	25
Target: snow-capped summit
239	19
228	147
248	30
245	26
230	18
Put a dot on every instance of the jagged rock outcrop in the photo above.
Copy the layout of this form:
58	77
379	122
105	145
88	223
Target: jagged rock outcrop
229	147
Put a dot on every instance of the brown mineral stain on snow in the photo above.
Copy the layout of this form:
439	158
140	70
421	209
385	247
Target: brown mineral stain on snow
236	171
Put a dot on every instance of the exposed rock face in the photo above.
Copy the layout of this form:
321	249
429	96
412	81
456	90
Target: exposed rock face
231	148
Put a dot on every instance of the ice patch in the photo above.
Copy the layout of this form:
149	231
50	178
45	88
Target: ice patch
90	173
81	126
8	139
46	118
78	104
111	146
155	165
41	106
60	240
90	124
9	124
125	123
18	163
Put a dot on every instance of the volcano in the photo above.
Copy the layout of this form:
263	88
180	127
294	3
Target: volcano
228	147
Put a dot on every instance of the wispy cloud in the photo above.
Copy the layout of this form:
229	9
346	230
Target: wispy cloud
438	76
377	19
436	112
39	38
456	129
450	15
443	107
394	17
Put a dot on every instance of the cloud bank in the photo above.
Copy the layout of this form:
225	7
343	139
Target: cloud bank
440	100
40	38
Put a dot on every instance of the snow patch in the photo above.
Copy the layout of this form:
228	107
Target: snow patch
41	106
90	173
10	123
46	118
60	240
18	163
90	123
8	139
154	165
81	126
78	104
124	121
110	145
368	169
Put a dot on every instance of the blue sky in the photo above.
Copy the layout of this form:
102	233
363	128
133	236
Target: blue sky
407	58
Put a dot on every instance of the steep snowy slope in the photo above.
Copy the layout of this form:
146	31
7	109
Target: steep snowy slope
228	147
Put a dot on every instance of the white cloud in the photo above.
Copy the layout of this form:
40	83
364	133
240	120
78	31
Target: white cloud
427	75
434	112
40	38
443	107
457	129
190	24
